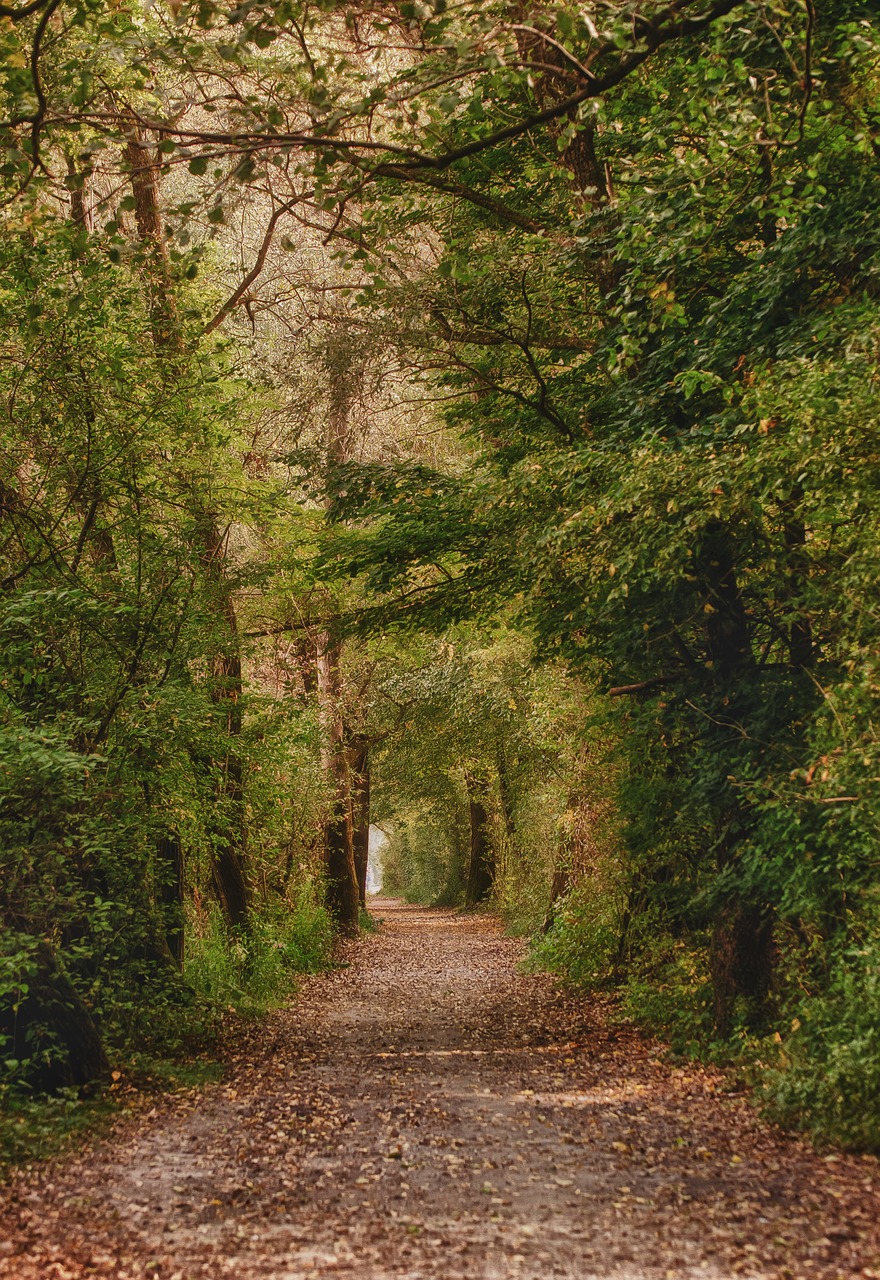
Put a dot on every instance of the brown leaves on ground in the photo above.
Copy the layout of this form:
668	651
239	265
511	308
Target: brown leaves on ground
431	1112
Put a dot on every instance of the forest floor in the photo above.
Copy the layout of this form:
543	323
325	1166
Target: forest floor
430	1111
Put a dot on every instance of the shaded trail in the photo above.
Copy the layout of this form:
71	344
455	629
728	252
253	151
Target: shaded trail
431	1112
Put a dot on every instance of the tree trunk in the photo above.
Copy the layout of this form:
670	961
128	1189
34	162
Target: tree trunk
359	757
81	213
230	886
800	636
741	952
142	163
228	869
742	958
590	177
481	868
169	858
51	1026
343	882
559	887
343	900
505	792
728	642
307	662
228	872
564	869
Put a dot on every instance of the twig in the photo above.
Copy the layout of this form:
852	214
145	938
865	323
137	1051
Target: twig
16	15
560	48
39	114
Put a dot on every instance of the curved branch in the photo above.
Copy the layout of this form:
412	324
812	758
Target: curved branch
669	25
40	113
666	27
16	15
259	262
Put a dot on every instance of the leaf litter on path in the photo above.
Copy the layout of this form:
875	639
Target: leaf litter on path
431	1112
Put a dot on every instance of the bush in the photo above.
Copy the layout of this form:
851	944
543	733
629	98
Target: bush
581	944
254	970
827	1076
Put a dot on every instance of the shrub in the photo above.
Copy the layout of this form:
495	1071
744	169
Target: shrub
827	1076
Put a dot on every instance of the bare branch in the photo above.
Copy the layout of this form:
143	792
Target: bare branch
259	262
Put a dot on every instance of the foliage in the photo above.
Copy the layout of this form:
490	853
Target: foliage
630	262
257	970
671	406
827	1078
583	941
115	744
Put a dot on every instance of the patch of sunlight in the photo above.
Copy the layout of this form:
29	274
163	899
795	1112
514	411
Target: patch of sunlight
378	841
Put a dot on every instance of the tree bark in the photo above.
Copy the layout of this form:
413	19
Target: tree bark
559	887
342	882
565	856
741	951
52	1026
728	642
228	870
742	959
81	214
800	636
142	163
359	763
590	177
343	892
505	792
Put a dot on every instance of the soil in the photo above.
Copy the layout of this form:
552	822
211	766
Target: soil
431	1111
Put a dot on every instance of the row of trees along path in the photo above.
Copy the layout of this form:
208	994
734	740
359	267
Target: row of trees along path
427	1109
625	278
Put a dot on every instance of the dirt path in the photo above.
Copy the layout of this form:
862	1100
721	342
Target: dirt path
430	1112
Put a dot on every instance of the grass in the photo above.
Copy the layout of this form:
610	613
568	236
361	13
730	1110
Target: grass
39	1126
256	970
368	923
34	1128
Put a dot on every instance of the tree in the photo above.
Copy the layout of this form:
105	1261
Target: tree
635	487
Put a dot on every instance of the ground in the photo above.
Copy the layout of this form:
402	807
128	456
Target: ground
432	1111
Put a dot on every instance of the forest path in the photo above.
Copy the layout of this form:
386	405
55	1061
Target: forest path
432	1112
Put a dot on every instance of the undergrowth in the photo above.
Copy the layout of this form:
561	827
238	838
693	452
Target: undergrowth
255	970
170	1038
825	1078
35	1127
815	1063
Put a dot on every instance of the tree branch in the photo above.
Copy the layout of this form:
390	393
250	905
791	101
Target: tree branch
16	15
501	211
259	262
624	690
668	25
